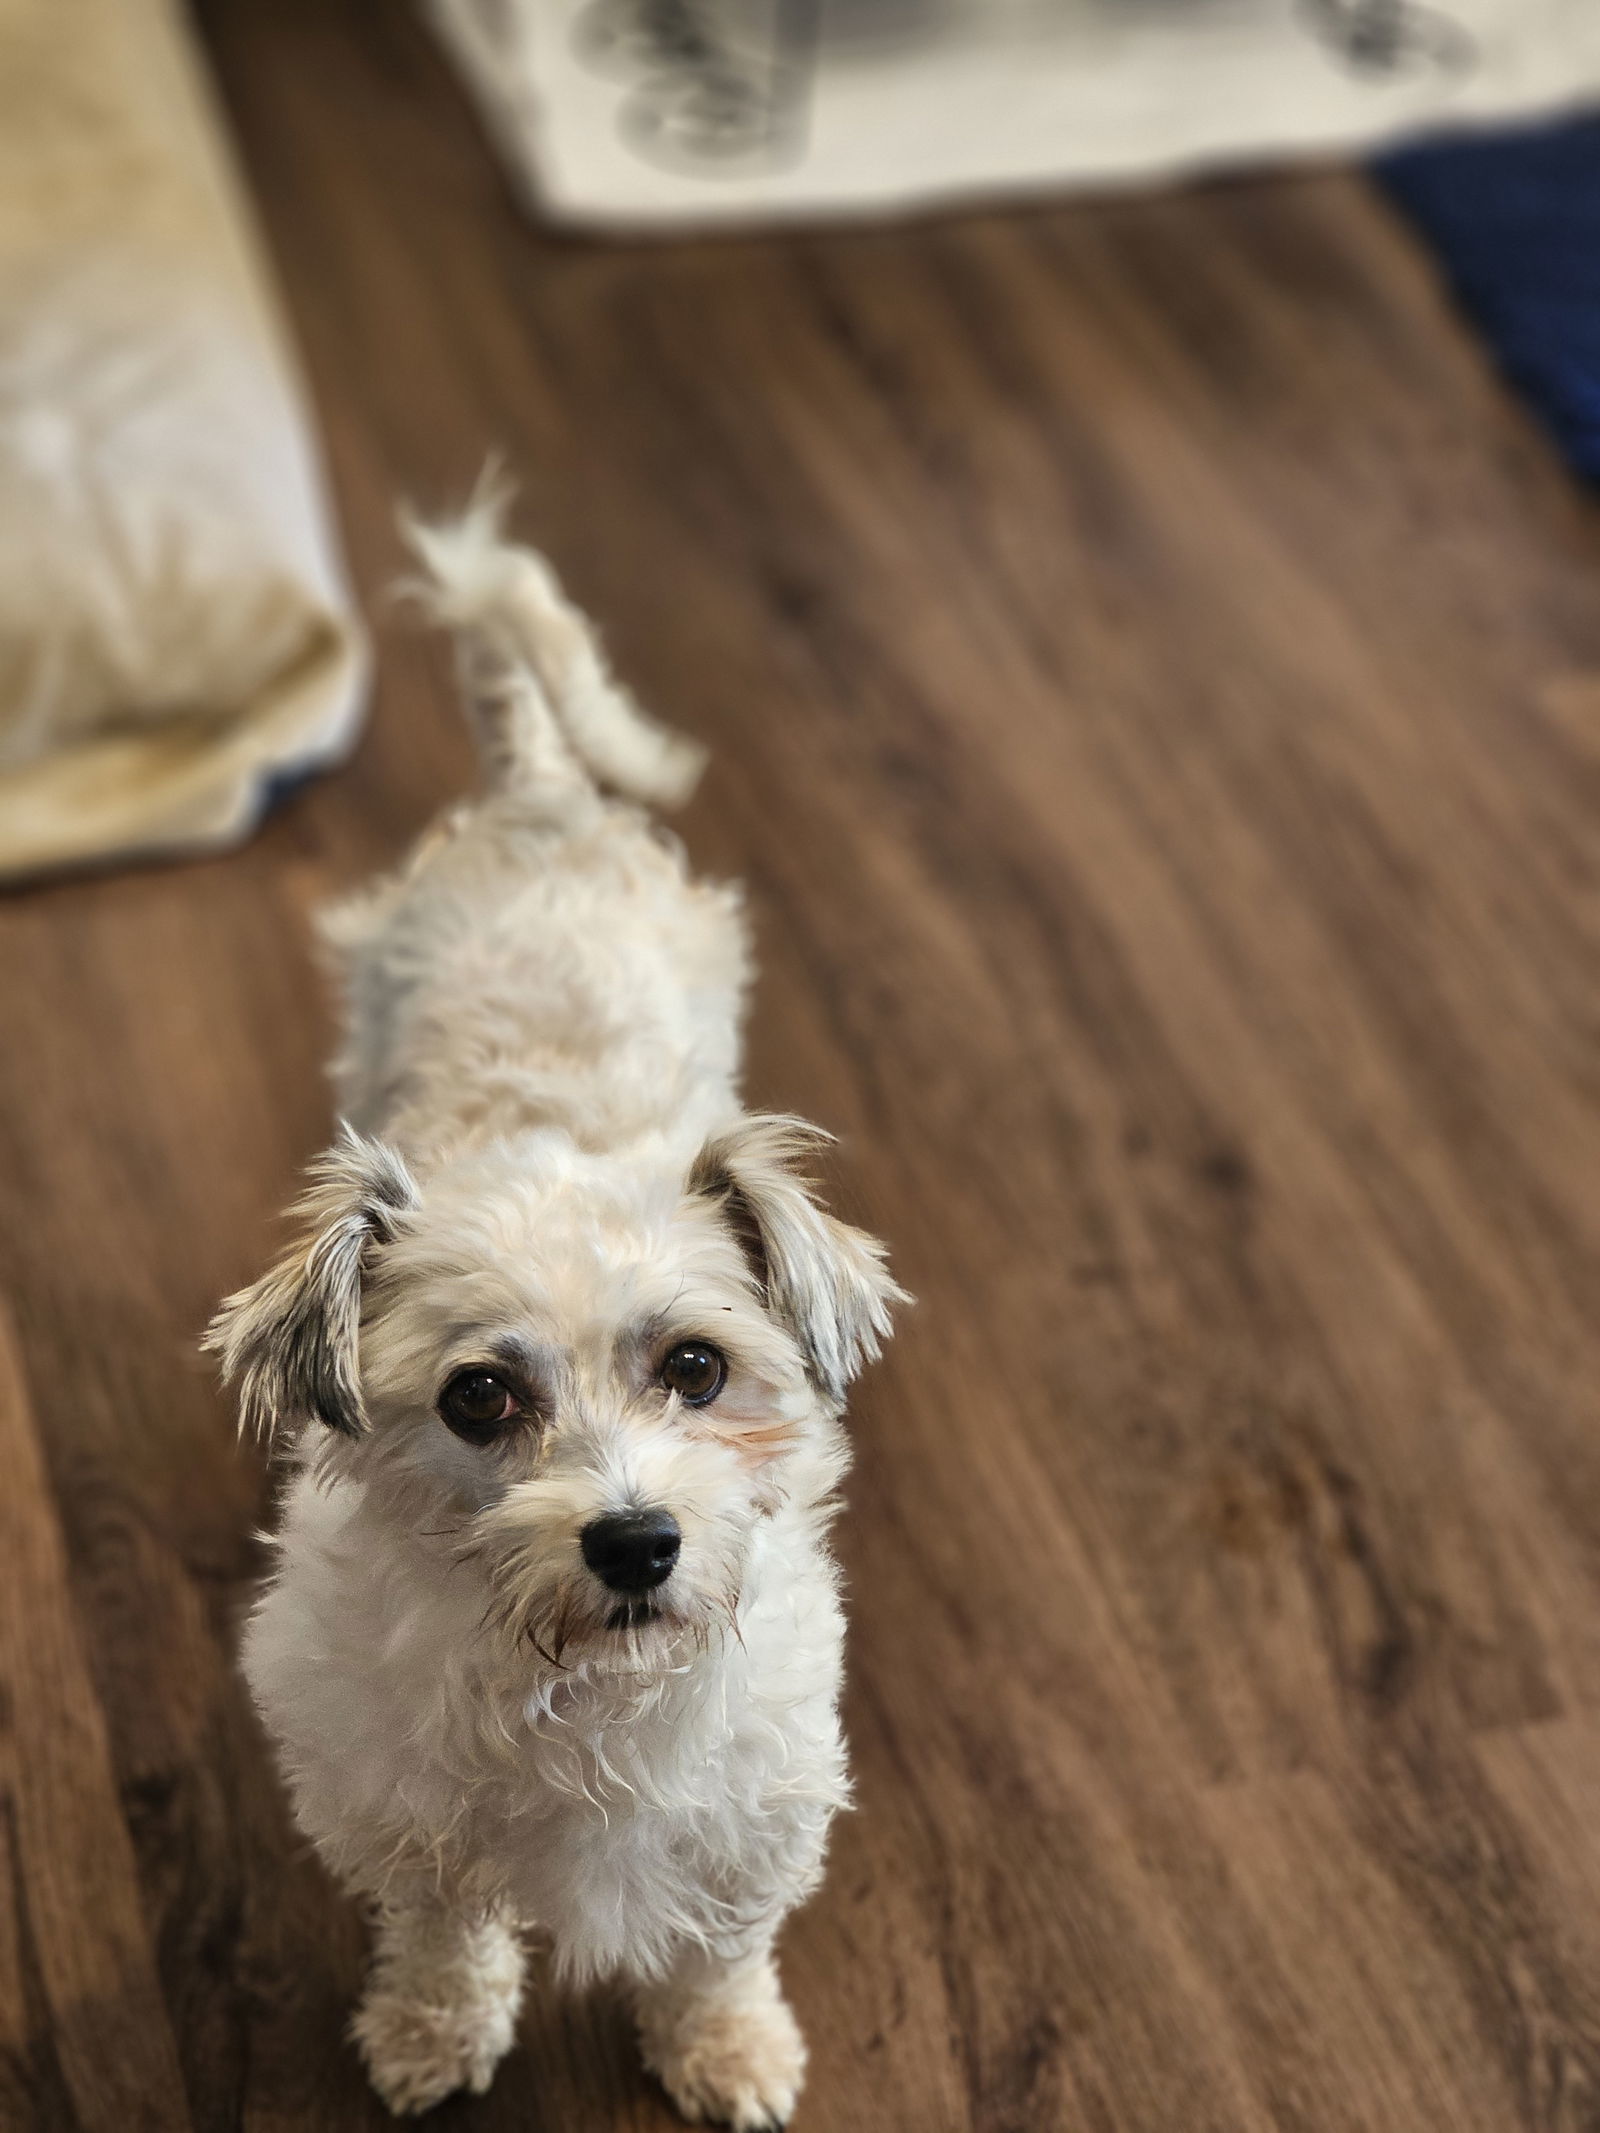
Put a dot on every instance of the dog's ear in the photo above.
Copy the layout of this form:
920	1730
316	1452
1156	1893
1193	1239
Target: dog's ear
826	1281
291	1337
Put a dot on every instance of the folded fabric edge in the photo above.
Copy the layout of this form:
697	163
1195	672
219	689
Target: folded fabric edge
181	790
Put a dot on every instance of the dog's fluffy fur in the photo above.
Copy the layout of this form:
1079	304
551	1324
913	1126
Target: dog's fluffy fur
547	1175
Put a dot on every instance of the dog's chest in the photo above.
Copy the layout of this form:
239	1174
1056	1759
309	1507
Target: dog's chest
624	1834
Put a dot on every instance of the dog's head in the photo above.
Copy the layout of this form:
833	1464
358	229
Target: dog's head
605	1375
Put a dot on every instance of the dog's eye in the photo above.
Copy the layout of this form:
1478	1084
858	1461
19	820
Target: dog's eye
695	1371
478	1406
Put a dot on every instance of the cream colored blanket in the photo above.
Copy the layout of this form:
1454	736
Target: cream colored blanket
174	632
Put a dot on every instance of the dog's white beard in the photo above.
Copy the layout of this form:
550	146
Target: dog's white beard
569	1624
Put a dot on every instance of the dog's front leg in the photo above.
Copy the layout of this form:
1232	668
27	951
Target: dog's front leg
440	2008
719	2037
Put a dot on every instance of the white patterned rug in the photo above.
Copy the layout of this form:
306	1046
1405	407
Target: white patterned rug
633	113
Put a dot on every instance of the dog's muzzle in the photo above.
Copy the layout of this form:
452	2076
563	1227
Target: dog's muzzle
632	1551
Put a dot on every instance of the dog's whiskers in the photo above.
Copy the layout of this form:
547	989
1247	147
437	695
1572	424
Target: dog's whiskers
547	1656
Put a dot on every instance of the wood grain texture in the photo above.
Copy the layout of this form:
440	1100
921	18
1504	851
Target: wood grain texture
1153	679
84	2037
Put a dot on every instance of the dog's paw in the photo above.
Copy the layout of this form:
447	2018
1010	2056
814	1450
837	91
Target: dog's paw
736	2061
416	2054
440	2011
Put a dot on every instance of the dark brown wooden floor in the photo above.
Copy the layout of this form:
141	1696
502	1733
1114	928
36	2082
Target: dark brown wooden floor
1154	679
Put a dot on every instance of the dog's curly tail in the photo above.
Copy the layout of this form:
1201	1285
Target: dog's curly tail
548	705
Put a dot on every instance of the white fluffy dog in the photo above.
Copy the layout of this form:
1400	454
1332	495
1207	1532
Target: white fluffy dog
554	1638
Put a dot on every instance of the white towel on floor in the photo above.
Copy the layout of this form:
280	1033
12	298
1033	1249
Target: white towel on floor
174	630
630	113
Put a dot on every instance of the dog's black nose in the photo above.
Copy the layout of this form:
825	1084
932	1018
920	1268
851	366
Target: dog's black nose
632	1551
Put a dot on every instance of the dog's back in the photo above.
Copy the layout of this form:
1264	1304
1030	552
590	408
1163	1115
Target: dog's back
543	957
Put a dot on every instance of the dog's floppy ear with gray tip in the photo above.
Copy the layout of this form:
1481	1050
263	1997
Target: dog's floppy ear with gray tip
826	1281
291	1338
